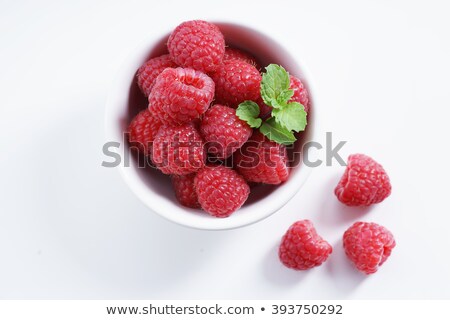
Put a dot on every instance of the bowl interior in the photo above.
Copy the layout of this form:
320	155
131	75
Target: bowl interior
153	187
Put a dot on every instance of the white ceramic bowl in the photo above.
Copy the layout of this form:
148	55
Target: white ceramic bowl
154	188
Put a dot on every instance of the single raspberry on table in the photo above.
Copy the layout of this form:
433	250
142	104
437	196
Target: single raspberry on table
223	131
364	182
178	150
197	44
142	131
221	190
368	245
300	95
236	81
236	54
185	190
302	248
150	70
262	160
180	95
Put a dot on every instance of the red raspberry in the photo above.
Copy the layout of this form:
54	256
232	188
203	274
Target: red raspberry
197	44
264	110
364	182
142	131
180	95
302	248
300	96
368	245
300	92
185	190
178	150
223	131
236	54
147	73
262	160
236	81
221	190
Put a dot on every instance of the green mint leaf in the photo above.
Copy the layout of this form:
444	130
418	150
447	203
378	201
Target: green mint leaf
276	132
274	85
248	111
292	116
285	96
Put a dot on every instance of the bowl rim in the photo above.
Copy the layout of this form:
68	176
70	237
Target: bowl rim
163	206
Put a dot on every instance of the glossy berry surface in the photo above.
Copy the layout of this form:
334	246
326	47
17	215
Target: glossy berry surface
221	190
368	245
185	190
142	131
302	248
178	150
150	70
261	160
223	131
197	44
180	95
365	182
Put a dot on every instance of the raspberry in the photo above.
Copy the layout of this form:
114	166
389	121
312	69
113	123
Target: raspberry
180	95
142	131
364	182
368	245
302	248
264	110
223	131
262	160
300	96
236	54
185	190
178	150
221	190
300	92
197	44
236	81
147	73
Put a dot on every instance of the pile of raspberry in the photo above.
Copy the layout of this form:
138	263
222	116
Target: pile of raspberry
191	132
190	129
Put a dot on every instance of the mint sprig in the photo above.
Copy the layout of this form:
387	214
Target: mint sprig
249	112
286	118
276	132
275	86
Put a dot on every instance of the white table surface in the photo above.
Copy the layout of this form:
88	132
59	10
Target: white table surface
70	228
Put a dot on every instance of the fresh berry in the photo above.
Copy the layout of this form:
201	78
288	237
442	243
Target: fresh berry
264	110
236	54
142	131
364	182
147	73
300	96
185	190
368	245
221	190
223	131
178	150
197	44
300	92
262	160
302	248
236	81
180	95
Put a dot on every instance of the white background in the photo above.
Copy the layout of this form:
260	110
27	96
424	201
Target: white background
70	228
